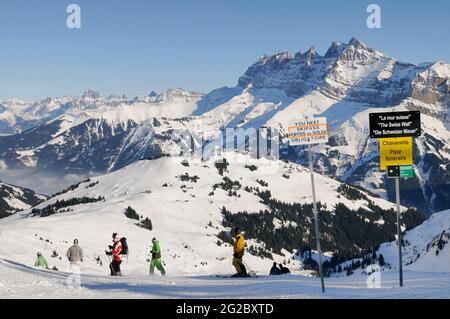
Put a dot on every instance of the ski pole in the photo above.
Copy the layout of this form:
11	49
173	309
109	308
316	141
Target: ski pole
111	266
246	265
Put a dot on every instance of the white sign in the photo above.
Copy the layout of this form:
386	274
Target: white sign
309	131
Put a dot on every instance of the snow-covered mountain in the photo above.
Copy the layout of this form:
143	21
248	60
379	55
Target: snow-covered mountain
425	248
97	134
14	199
352	72
191	206
179	196
345	85
17	116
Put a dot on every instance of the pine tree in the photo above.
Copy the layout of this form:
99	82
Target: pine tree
146	223
381	260
374	256
131	213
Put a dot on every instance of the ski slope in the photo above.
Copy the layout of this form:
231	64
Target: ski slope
187	220
186	215
20	281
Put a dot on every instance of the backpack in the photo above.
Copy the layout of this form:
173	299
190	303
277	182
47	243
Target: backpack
124	243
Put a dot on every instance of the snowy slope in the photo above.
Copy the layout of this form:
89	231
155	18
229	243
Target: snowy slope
425	249
19	280
421	251
186	217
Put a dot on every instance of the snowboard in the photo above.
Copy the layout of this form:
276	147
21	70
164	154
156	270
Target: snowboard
238	277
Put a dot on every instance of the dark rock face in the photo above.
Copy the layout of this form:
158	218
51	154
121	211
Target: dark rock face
93	146
389	82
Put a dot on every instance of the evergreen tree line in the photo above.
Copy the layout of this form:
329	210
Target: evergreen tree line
92	184
347	233
229	186
143	223
59	204
71	188
356	191
187	178
251	167
351	193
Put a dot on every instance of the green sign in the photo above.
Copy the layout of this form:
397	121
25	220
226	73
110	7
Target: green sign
406	171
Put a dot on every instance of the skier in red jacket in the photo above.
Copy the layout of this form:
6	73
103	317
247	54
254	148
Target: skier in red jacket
115	250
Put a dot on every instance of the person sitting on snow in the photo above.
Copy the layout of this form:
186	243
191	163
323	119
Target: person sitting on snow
275	270
284	270
40	261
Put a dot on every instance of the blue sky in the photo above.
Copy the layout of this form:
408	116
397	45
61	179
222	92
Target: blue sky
132	47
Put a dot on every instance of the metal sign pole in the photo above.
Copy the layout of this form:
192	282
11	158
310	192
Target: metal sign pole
399	234
391	128
316	221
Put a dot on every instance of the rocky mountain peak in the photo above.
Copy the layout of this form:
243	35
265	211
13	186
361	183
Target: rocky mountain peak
354	42
91	94
153	94
334	50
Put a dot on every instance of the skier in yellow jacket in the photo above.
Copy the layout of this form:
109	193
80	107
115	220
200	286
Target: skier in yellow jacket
238	253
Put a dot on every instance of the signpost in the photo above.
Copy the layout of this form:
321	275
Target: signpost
401	171
399	232
308	132
406	171
395	124
393	171
395	151
395	131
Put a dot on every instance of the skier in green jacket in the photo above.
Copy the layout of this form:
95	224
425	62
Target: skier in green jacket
156	258
40	261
